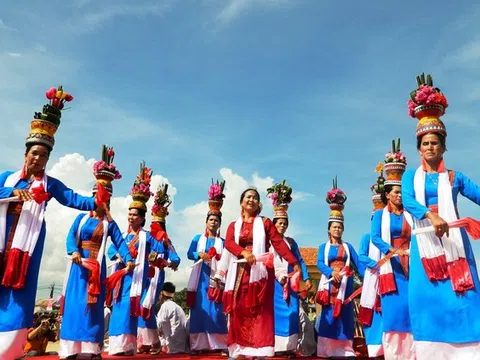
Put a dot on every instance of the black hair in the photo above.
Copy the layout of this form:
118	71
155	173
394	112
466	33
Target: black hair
168	287
141	213
386	190
218	215
30	145
332	221
275	220
247	190
441	138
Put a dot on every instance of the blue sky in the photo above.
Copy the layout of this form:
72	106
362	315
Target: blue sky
301	90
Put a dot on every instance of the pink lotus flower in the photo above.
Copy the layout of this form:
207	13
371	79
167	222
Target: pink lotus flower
215	192
336	196
411	108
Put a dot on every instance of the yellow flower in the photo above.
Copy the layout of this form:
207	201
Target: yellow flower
379	168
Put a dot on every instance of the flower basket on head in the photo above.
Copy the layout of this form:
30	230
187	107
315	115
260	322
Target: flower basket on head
141	188
105	170
161	203
395	164
427	103
378	188
336	199
216	196
281	196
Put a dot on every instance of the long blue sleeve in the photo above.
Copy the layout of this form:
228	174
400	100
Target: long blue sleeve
296	252
410	204
192	253
356	261
376	233
468	188
173	255
72	235
324	269
112	252
118	243
5	192
68	197
363	252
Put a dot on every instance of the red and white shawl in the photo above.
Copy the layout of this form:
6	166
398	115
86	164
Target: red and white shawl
137	277
387	279
26	234
323	292
149	300
192	284
369	300
281	269
442	258
258	272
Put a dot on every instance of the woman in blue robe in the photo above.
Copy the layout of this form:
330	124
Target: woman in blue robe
124	319
148	339
397	330
335	325
391	233
444	304
17	305
208	323
374	331
17	293
287	311
82	328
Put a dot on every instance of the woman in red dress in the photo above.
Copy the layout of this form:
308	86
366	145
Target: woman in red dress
249	285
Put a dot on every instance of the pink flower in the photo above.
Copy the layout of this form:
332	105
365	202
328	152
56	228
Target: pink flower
411	108
423	93
215	192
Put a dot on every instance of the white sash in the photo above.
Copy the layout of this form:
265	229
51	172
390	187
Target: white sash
149	300
137	278
281	265
429	245
192	284
30	220
324	285
370	280
386	236
258	271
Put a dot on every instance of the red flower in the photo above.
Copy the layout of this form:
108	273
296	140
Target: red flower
212	252
39	194
110	152
50	94
68	97
348	271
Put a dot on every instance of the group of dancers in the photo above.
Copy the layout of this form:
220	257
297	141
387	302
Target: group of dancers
420	288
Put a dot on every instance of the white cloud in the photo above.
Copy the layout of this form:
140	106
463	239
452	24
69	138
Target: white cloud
182	224
96	16
235	8
466	56
6	27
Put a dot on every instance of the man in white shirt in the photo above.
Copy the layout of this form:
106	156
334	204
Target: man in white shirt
171	323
